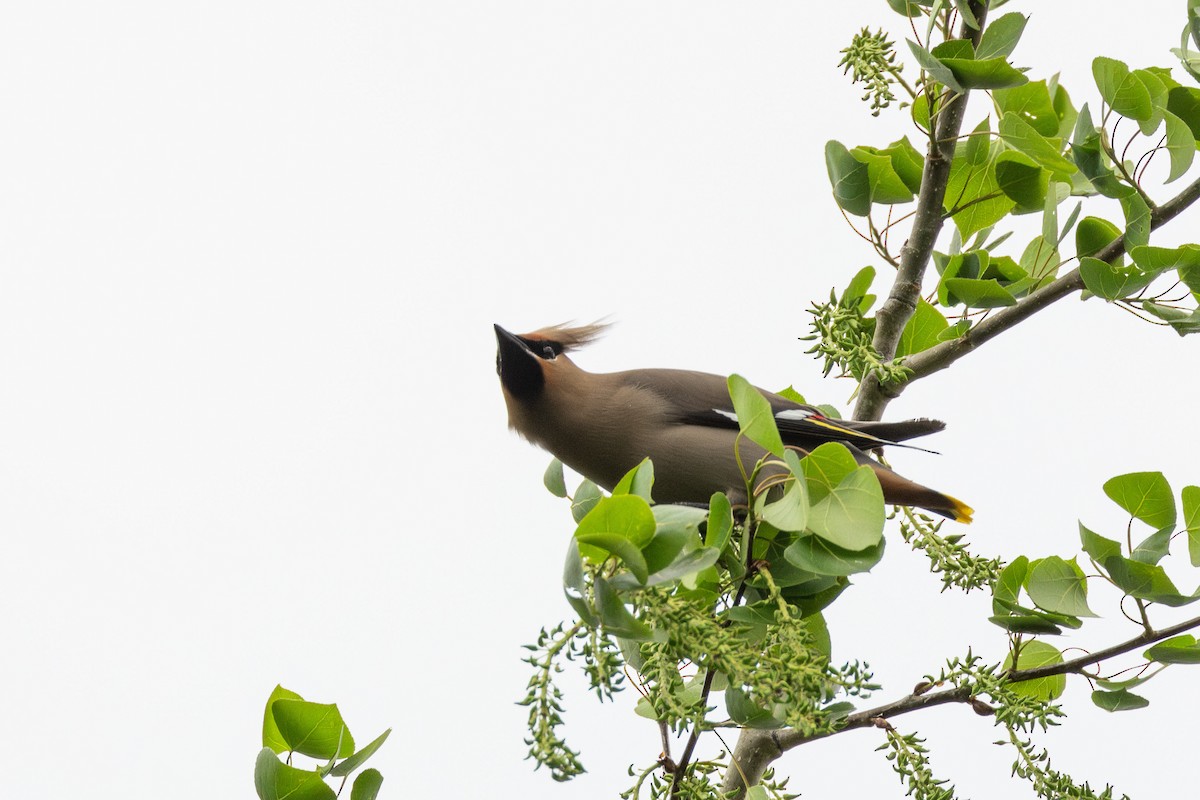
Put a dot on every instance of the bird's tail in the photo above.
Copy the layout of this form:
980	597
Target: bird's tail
899	490
897	431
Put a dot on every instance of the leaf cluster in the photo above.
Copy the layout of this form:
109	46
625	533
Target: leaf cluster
1033	152
293	725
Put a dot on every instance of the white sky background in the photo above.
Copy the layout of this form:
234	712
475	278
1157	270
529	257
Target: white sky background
250	430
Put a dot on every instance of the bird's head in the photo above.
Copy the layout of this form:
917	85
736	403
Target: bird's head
523	360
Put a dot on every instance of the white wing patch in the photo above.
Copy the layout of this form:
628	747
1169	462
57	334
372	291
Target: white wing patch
794	413
724	413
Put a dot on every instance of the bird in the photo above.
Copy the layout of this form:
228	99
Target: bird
604	424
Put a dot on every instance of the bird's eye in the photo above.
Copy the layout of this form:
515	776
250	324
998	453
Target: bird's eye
548	351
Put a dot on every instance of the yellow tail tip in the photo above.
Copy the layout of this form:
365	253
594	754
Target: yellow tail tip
961	511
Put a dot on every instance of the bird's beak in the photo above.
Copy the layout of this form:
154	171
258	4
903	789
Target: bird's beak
519	368
509	345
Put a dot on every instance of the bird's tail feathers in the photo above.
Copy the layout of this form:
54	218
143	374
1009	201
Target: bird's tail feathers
898	490
900	431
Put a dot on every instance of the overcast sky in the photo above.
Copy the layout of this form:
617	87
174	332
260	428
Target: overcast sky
250	430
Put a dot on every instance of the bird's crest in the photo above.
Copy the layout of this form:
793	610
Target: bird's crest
568	337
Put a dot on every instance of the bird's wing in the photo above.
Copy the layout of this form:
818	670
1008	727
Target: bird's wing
701	398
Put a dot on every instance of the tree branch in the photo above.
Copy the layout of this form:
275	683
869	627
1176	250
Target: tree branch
756	749
1077	664
943	355
782	741
894	314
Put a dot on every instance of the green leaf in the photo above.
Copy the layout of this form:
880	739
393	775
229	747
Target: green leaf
936	69
922	329
1154	547
670	518
274	780
1094	234
1181	146
856	292
620	525
1097	546
1164	75
1123	92
976	293
574	586
1137	219
1040	257
810	602
885	184
615	618
1038	654
1145	581
1112	283
1120	700
271	737
1020	135
850	180
1184	103
954	331
358	759
1183	322
1064	108
638	481
992	73
1145	495
553	478
626	516
1031	103
1059	586
586	497
720	522
852	515
1158	99
977	200
817	555
907	161
1005	270
819	630
746	712
1007	589
754	415
967	13
1035	624
790	511
314	729
1022	180
1128	683
366	786
1176	650
687	564
825	468
908	8
1056	192
1160	259
953	48
1001	36
1191	521
668	542
1059	620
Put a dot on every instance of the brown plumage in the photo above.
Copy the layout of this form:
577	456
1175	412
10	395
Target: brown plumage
603	424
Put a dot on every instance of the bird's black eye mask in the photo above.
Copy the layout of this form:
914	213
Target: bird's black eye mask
517	363
543	348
